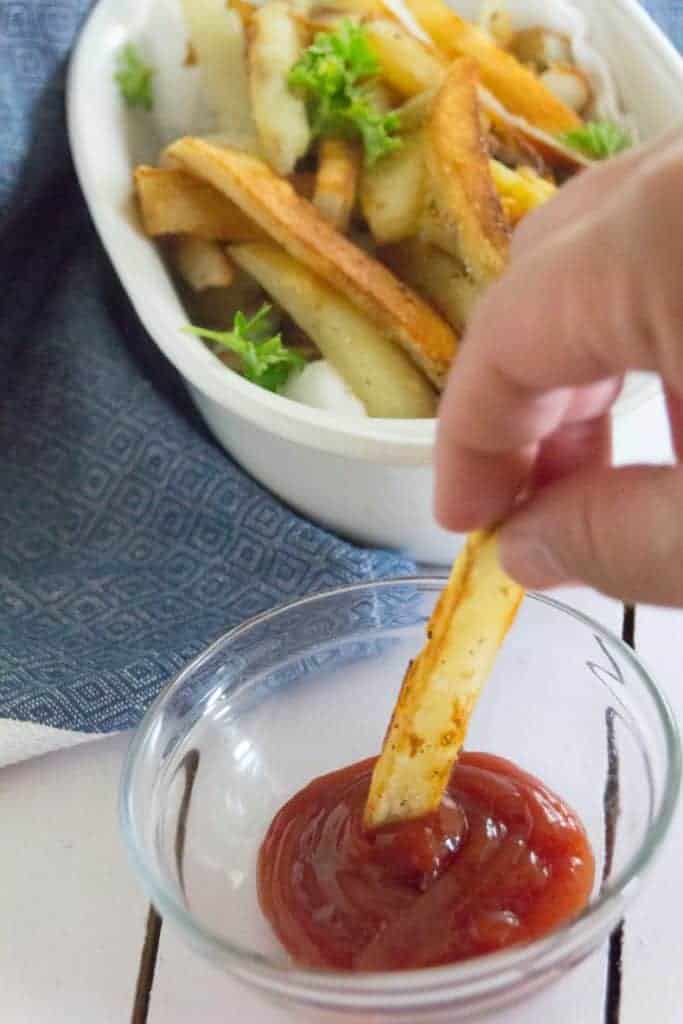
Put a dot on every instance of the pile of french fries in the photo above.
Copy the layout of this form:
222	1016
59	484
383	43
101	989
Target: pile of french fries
374	267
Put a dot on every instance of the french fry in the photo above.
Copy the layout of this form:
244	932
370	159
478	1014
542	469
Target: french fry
521	191
281	119
376	370
415	111
463	213
217	35
442	685
336	181
496	22
363	8
407	64
515	85
202	264
298	227
549	148
175	203
245	9
436	275
391	192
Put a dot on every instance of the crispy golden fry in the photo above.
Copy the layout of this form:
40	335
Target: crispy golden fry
245	9
391	192
298	227
415	111
436	275
202	264
550	150
175	203
376	370
541	47
336	181
364	8
274	47
514	85
463	214
496	21
521	191
442	685
407	64
217	35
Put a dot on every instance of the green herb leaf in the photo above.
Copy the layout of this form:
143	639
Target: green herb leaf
331	73
264	359
597	139
134	78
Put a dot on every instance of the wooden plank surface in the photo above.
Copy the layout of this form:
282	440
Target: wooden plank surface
72	913
653	980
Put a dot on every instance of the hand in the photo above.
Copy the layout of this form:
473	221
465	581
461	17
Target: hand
594	289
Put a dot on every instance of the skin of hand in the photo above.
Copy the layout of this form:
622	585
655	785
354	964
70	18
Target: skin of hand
594	289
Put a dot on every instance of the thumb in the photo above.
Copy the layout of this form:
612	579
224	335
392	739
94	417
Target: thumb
619	530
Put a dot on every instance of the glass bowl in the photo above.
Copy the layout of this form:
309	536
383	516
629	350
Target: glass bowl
308	688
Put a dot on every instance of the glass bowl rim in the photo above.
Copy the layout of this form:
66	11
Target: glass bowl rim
478	975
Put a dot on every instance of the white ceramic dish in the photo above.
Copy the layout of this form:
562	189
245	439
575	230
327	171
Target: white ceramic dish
367	479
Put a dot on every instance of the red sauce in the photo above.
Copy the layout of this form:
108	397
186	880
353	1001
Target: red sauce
503	861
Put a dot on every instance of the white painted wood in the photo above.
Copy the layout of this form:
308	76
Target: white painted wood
653	980
72	914
186	987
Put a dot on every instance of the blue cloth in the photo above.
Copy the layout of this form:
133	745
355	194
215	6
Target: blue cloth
128	540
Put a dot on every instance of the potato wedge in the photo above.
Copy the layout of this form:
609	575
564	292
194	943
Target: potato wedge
202	264
376	370
514	85
175	203
564	161
407	64
442	685
275	44
217	35
521	191
298	227
438	276
336	181
415	111
391	192
347	8
463	214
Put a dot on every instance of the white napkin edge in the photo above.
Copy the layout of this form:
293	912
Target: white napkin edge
20	741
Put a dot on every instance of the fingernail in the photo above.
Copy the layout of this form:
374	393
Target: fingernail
530	561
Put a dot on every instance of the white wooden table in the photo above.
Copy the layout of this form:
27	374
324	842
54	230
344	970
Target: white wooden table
72	918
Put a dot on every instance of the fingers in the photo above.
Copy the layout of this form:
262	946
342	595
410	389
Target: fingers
586	192
619	530
594	300
538	335
674	404
575	447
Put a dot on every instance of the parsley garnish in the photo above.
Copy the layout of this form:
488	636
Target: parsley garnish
597	139
265	360
333	73
134	78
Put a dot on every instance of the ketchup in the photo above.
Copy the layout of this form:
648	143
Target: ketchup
503	861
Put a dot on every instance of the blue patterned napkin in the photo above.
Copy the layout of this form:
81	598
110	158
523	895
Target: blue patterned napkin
128	540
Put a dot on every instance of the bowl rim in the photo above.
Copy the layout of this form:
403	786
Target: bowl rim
468	979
